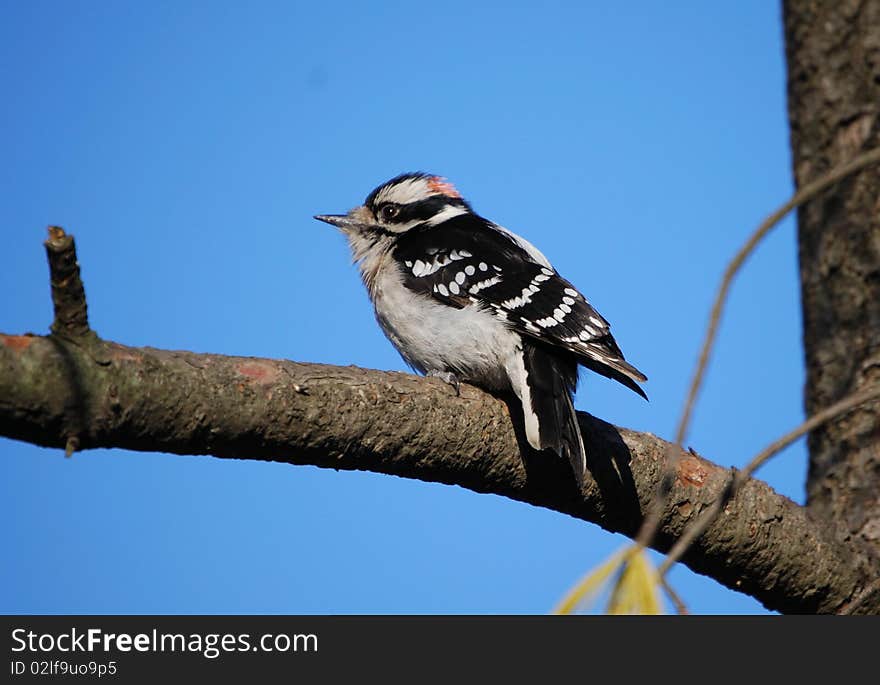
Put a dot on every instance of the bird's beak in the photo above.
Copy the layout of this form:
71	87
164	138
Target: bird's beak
339	220
344	222
358	220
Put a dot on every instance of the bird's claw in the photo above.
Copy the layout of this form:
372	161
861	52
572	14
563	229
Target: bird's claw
447	377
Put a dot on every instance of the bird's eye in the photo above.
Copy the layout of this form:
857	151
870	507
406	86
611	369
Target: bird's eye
389	211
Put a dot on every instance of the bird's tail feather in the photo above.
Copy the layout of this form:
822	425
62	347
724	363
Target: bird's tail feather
609	362
551	421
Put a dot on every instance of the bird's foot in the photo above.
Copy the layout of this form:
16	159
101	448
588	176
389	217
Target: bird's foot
447	377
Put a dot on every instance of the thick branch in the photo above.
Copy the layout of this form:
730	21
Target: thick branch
351	418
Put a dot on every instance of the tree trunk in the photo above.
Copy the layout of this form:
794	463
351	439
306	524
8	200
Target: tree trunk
833	53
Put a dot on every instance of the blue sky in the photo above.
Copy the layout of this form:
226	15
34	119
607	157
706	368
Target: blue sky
187	145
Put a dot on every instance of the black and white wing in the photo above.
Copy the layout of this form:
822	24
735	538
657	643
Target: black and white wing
464	265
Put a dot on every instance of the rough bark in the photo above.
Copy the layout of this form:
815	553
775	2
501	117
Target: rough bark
57	390
833	53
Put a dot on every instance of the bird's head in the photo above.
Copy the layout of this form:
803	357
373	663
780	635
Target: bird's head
408	201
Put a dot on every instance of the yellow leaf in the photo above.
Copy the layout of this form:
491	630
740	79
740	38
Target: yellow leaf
637	588
590	584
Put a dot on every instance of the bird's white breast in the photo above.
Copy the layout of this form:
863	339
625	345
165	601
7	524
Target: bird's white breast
470	342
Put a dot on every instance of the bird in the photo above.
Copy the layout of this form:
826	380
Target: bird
463	299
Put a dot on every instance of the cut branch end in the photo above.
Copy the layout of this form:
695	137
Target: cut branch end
68	294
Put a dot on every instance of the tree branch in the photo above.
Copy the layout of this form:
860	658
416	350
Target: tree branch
109	395
75	390
737	479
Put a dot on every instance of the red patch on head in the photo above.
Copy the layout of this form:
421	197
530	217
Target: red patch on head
440	185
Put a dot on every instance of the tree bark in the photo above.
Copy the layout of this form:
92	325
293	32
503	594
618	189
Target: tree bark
833	54
82	392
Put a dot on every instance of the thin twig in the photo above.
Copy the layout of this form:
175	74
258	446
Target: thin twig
806	193
708	515
653	517
680	607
